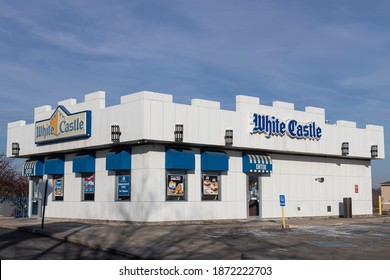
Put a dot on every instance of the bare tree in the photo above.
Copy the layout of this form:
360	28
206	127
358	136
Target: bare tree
13	186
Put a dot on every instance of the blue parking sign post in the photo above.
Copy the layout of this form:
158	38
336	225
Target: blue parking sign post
282	200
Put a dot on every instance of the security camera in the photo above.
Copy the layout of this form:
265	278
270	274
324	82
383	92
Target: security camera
320	179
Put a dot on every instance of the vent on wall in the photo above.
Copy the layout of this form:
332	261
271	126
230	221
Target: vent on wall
345	148
374	151
179	131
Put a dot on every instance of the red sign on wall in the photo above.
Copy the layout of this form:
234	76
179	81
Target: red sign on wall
356	188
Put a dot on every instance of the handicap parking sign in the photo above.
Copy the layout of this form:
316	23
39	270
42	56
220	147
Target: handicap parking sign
282	200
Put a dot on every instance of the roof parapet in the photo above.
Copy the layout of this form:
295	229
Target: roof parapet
242	101
205	103
146	95
315	110
372	127
283	105
99	96
67	102
16	124
346	123
41	112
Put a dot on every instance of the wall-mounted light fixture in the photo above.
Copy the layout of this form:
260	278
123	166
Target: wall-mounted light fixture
179	129
374	151
115	133
345	148
320	179
15	149
229	137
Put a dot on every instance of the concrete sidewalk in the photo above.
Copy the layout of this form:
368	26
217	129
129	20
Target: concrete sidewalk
166	240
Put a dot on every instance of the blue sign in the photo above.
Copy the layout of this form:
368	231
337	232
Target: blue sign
256	163
123	182
272	126
282	200
33	168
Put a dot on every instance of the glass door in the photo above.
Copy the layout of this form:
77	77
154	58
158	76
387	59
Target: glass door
35	198
253	196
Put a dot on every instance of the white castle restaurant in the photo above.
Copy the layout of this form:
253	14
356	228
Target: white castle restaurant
149	159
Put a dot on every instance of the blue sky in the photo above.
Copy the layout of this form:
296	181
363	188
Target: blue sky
329	54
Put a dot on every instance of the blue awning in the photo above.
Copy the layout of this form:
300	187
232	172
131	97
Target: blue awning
33	168
118	160
256	163
54	166
179	159
84	163
214	161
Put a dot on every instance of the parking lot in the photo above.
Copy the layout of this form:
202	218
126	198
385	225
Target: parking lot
343	242
320	238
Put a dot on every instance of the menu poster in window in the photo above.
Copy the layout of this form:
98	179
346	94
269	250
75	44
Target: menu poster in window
123	182
210	185
58	187
175	185
89	184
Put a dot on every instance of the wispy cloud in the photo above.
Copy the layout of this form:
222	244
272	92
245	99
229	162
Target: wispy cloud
331	54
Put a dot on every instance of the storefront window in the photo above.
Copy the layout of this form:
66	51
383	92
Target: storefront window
176	189
123	185
211	186
88	185
58	185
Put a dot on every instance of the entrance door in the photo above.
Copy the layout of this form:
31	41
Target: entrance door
253	196
36	201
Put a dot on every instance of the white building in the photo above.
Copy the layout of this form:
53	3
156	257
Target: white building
150	159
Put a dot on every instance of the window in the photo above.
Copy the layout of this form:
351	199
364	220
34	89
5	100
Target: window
123	185
88	185
211	186
58	186
176	189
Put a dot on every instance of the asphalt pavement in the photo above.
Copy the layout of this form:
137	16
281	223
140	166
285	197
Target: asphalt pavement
167	240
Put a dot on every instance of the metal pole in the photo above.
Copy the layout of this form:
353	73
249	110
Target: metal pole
44	204
380	205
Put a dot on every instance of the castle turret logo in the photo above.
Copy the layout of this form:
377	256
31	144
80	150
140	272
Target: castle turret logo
62	126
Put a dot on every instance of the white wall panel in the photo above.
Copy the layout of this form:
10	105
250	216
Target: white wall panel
181	117
216	132
157	120
169	121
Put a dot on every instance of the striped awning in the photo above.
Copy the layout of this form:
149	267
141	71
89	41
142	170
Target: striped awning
32	168
256	163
